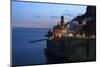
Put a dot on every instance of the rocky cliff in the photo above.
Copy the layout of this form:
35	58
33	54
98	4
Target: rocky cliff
90	17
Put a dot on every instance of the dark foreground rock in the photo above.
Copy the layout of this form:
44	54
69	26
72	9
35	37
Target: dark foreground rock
71	50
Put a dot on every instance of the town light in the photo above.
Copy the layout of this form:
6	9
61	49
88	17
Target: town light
70	35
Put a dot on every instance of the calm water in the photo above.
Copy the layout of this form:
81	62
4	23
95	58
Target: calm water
24	52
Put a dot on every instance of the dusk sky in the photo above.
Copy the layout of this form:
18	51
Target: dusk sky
42	15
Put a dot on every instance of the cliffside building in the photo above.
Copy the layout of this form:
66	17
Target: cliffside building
60	29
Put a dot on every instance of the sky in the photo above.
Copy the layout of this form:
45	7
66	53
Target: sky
42	15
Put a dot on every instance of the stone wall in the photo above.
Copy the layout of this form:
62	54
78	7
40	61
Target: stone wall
73	50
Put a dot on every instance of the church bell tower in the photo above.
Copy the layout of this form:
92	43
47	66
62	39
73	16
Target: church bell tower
62	21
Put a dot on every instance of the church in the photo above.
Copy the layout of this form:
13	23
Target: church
60	29
63	30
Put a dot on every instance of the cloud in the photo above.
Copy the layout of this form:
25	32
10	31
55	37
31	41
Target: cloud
41	15
55	17
37	16
70	14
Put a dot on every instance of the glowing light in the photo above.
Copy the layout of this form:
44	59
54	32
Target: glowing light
78	35
83	35
70	35
93	36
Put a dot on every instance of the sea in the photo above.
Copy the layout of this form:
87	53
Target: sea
25	52
28	47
